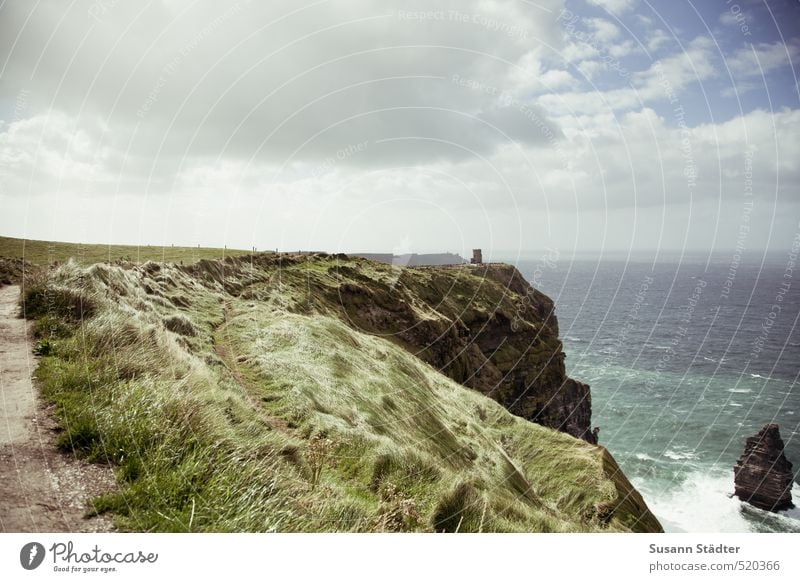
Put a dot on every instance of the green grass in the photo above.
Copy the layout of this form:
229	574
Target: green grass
44	253
237	396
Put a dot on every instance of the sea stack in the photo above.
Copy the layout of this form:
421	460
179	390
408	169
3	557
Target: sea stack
762	475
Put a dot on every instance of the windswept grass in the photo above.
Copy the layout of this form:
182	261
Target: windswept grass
232	396
44	253
13	270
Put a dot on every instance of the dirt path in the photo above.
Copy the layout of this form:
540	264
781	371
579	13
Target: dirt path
41	489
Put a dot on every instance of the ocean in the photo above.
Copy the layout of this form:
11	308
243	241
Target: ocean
686	357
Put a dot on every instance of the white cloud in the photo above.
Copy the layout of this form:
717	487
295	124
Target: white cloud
695	63
602	29
664	80
42	153
557	79
738	89
577	51
590	68
530	77
614	6
753	60
735	19
657	39
623	49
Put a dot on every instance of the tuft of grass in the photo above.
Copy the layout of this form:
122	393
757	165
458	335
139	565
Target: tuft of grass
40	299
397	512
459	510
43	347
51	327
180	324
319	455
14	270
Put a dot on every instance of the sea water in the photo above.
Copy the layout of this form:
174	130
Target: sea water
686	356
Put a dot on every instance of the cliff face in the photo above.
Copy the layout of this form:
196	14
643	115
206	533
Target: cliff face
483	326
762	475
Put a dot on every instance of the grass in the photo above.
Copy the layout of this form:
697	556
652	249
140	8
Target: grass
237	395
44	253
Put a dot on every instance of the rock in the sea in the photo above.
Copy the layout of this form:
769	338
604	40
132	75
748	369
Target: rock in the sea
762	475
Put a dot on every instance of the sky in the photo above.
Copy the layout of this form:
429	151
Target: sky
398	126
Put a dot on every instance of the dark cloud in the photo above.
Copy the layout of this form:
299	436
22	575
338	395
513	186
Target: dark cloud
281	79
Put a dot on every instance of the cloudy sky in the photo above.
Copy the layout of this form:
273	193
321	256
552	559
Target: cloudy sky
402	126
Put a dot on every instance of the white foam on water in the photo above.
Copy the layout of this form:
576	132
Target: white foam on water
680	455
704	503
644	457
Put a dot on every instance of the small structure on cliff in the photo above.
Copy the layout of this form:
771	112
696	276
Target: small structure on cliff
763	475
477	257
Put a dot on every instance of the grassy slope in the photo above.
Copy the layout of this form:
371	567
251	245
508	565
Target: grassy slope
43	252
241	403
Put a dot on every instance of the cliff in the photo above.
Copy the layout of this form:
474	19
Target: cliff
483	326
324	393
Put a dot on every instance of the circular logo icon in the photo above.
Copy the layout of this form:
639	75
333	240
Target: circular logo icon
31	555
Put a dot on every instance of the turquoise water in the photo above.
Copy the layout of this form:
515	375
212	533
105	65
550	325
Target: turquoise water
686	358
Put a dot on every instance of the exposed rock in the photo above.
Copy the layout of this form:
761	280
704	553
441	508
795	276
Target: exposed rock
762	475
